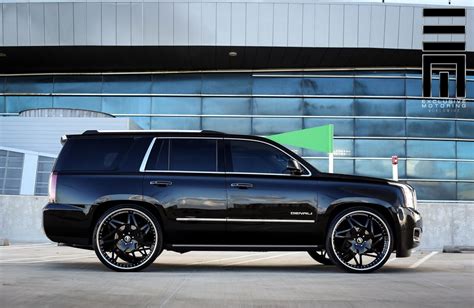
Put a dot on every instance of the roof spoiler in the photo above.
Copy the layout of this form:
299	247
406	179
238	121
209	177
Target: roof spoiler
63	139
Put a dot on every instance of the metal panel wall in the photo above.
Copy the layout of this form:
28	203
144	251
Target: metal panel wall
238	26
351	21
109	21
308	25
136	23
280	26
322	25
37	24
80	23
208	30
124	36
51	24
365	13
66	26
295	25
228	23
150	20
10	36
336	25
223	20
392	15
23	24
94	24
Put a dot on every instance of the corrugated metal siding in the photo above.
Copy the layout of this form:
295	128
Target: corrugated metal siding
225	23
43	134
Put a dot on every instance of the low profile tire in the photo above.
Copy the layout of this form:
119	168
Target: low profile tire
359	240
127	238
320	256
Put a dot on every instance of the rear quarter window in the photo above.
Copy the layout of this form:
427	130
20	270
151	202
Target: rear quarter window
98	154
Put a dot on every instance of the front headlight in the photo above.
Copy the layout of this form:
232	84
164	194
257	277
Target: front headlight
409	194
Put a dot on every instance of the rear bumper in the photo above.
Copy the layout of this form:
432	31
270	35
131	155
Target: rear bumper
410	233
66	223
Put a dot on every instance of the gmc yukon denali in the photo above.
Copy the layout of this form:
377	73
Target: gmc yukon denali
131	194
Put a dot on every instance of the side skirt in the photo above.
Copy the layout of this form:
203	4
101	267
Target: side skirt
210	247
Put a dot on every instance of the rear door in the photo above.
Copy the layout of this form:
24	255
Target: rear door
267	205
185	176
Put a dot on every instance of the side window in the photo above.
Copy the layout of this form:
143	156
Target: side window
94	154
159	156
183	155
257	157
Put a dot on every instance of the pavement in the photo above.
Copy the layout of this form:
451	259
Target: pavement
46	275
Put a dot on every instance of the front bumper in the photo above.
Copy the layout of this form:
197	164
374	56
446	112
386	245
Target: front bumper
66	223
410	232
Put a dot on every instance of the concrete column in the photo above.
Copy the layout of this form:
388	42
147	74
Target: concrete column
28	176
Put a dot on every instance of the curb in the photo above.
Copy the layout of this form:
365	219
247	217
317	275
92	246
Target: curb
457	249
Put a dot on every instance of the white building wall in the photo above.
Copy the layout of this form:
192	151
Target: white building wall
218	23
43	134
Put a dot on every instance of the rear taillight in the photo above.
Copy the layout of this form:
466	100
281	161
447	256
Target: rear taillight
53	180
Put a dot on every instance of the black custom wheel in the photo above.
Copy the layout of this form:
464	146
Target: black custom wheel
127	238
359	240
320	256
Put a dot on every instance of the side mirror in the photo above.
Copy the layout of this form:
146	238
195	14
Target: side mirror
294	167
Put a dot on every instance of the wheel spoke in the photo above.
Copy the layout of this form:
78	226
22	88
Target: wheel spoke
130	239
355	259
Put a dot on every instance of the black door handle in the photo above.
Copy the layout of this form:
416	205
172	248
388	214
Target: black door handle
241	185
161	183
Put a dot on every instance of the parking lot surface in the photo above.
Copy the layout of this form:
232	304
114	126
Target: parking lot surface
46	275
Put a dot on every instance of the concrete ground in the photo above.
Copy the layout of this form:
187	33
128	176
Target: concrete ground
45	275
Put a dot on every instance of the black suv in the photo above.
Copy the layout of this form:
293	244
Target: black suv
129	195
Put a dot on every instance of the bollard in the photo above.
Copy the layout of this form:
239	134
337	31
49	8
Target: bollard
395	168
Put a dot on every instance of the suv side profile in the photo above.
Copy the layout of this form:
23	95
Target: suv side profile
131	194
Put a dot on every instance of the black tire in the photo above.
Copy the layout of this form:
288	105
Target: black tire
356	233
127	238
320	256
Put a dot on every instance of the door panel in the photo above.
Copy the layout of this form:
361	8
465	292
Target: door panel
274	211
194	205
185	176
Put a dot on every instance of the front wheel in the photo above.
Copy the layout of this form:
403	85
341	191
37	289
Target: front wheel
359	240
127	238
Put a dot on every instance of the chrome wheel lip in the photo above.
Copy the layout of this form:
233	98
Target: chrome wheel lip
388	243
105	257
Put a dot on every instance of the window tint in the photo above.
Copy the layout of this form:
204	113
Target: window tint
93	154
257	157
159	156
183	155
193	155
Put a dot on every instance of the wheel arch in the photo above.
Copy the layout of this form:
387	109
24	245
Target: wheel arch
387	213
101	208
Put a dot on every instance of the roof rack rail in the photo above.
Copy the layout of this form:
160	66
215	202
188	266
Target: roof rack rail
94	131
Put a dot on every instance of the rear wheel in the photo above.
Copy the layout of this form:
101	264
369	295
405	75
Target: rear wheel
127	238
359	240
320	256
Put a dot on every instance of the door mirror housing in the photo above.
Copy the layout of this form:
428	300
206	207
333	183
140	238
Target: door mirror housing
294	167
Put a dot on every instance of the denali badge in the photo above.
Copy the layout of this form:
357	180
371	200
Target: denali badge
301	213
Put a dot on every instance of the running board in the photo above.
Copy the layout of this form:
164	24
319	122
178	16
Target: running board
216	247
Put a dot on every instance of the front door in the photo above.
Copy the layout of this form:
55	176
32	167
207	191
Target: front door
184	177
267	204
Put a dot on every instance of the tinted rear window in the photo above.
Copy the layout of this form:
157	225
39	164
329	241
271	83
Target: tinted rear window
102	154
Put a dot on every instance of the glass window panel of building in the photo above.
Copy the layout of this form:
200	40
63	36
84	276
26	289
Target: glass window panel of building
45	165
376	114
11	168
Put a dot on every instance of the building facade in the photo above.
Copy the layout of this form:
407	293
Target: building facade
255	67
